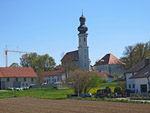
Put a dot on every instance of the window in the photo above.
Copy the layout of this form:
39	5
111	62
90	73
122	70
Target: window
22	84
84	39
24	79
16	79
7	79
26	84
133	85
79	39
129	85
32	79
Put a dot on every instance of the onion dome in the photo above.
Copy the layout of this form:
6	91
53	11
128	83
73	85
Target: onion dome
82	28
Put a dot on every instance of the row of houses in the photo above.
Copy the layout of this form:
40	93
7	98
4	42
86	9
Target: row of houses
137	78
23	76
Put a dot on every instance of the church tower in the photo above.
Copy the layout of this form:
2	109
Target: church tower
83	48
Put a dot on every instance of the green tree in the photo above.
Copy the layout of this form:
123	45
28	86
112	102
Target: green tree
14	65
135	53
43	62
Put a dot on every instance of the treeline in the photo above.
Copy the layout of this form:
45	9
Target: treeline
135	53
37	62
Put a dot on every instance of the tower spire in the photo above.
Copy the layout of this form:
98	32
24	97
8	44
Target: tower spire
82	28
82	12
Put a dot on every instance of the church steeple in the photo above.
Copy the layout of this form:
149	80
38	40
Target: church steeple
83	47
82	28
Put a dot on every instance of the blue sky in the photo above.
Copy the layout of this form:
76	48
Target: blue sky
50	26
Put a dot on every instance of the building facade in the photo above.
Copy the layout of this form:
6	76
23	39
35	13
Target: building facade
17	77
110	64
138	77
54	76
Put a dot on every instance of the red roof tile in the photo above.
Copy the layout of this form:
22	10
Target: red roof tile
70	56
101	73
109	59
58	67
53	73
17	72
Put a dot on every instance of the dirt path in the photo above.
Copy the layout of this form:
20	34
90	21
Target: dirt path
33	105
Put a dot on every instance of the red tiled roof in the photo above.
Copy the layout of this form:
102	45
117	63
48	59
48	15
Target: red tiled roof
70	56
53	73
58	67
102	73
109	59
17	72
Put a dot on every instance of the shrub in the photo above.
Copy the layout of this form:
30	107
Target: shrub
118	90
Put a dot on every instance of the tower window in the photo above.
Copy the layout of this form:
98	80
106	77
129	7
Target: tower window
79	39
84	39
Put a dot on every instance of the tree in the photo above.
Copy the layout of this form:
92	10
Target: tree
82	81
135	53
43	62
40	78
14	65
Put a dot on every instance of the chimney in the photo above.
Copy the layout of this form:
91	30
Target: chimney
147	61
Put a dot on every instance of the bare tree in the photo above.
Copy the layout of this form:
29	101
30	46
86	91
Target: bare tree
83	81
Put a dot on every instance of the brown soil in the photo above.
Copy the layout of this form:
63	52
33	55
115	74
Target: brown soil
33	105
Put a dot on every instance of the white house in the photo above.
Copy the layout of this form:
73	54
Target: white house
137	77
16	77
54	76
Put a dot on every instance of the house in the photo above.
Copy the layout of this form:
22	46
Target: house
137	77
51	77
110	64
104	75
16	77
79	58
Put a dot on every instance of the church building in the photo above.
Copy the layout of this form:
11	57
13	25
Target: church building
79	58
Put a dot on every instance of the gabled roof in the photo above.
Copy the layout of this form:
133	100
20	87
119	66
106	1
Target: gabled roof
70	56
102	74
53	73
109	59
17	72
137	67
142	73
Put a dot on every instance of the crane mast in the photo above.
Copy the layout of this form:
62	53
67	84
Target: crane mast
6	54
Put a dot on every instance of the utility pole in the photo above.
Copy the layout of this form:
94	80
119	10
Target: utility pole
6	54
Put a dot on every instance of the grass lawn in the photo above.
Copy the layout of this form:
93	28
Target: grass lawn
50	93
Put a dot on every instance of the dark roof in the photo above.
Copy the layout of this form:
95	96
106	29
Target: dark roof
109	59
142	73
70	56
17	72
137	67
53	73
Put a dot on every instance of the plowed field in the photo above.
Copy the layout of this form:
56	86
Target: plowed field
33	105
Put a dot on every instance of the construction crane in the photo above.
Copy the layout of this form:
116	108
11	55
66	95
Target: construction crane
6	53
